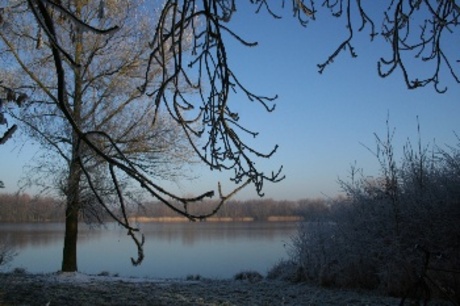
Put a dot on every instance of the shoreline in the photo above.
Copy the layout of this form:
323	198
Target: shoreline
143	219
82	289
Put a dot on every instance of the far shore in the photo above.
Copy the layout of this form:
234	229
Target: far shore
144	219
217	219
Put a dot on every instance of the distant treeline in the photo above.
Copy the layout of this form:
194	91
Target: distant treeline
25	208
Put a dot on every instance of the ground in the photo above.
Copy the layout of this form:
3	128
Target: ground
80	289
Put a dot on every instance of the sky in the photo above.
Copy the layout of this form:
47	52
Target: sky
323	123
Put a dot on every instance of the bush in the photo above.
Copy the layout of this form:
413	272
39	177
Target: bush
370	243
19	271
103	273
7	253
194	277
286	270
251	276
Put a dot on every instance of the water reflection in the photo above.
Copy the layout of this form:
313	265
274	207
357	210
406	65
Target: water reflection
189	233
21	235
172	249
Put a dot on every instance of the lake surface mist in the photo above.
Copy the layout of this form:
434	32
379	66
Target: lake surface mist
172	250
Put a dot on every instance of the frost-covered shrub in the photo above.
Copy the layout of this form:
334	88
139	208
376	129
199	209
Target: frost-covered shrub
194	277
370	242
251	276
286	270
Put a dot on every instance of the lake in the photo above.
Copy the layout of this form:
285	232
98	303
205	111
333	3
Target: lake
172	250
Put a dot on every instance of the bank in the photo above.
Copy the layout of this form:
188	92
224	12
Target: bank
80	289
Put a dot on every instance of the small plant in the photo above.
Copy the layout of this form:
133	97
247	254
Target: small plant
194	277
19	271
286	270
104	273
251	276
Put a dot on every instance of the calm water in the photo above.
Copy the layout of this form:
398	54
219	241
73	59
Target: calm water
172	250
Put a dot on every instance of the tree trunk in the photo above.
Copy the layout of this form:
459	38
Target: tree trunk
69	255
69	259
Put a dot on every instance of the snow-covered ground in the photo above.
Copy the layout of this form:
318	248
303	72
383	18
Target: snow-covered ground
82	289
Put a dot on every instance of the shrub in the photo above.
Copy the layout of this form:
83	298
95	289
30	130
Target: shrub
194	277
286	270
19	271
104	273
251	276
370	243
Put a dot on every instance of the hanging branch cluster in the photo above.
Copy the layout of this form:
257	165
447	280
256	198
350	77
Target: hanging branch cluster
205	67
420	29
10	96
338	9
434	23
212	128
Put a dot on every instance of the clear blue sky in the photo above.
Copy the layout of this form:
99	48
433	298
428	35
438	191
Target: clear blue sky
321	121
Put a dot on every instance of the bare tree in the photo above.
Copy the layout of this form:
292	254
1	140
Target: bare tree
65	36
103	96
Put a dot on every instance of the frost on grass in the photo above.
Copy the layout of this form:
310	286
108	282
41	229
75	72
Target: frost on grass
58	289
